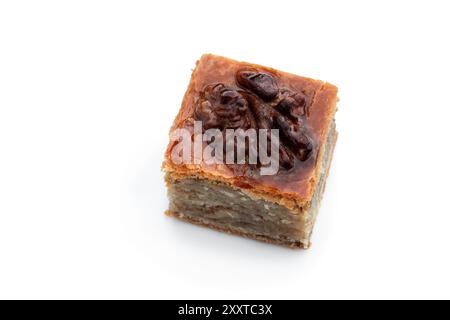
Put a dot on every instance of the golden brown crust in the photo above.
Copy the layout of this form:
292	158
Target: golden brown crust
293	190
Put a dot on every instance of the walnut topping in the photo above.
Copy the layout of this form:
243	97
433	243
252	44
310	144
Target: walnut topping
222	107
291	104
259	104
260	83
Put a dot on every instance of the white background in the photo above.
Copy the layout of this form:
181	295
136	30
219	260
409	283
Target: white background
88	91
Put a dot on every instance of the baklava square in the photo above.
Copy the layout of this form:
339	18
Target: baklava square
250	151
